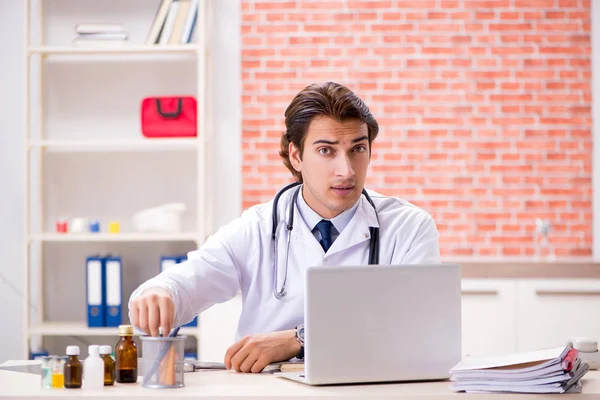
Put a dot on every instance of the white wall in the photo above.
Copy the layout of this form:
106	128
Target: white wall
225	109
11	177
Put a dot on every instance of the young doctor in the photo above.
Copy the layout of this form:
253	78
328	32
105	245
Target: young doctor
325	220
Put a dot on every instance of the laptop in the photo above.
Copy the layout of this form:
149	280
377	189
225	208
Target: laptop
380	324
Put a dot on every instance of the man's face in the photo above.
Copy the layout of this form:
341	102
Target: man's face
333	164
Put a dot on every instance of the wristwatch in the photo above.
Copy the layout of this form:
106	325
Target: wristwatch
300	339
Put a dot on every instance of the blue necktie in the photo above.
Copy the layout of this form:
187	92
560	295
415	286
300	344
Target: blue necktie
324	228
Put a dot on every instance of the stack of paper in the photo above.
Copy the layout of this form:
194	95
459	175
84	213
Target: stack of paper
100	35
556	370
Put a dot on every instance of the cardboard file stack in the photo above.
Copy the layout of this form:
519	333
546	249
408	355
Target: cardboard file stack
556	370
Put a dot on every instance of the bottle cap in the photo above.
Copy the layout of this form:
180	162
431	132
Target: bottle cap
125	330
585	345
93	350
106	349
72	350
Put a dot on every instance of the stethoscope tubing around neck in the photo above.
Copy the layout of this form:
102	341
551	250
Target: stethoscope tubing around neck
289	226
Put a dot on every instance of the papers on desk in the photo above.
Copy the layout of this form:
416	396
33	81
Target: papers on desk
556	370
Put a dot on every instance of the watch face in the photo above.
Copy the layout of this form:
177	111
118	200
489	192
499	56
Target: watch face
301	333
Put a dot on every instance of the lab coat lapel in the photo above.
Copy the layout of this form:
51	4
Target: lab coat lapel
303	235
357	230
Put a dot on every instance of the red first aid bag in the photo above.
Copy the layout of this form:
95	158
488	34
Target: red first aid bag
169	117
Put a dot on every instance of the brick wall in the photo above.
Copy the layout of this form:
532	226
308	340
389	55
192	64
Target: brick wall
484	108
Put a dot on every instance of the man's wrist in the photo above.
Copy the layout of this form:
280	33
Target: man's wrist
300	340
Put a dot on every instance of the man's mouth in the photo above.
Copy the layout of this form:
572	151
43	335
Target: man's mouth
343	190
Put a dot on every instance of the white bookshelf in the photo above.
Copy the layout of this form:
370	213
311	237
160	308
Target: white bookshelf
60	124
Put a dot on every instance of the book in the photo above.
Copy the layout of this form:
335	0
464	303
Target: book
159	21
180	18
190	22
169	24
88	28
102	36
555	370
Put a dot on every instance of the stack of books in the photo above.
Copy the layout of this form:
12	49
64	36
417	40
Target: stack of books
174	22
100	35
557	370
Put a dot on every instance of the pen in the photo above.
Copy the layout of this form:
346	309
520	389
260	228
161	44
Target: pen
162	355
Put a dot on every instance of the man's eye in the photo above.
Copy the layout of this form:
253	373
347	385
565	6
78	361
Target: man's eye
324	151
360	149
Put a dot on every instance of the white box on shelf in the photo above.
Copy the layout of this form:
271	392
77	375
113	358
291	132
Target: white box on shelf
165	218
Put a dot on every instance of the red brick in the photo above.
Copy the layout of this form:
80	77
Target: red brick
392	27
425	4
510	27
534	3
568	3
512	50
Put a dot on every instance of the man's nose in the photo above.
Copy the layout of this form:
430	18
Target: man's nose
343	166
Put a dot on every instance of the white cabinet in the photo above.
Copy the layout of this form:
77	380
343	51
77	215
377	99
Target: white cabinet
506	315
488	316
550	311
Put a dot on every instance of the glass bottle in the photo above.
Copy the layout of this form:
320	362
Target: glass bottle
109	365
126	356
543	251
47	362
73	368
58	377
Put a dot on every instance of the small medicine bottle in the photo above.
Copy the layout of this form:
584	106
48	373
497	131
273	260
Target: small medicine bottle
47	363
73	368
126	356
93	369
109	365
58	377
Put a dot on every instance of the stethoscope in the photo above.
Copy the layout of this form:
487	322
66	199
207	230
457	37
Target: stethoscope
289	224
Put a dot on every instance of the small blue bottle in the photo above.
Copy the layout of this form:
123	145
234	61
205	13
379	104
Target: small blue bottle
94	226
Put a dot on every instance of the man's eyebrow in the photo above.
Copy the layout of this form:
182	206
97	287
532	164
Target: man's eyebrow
325	142
360	139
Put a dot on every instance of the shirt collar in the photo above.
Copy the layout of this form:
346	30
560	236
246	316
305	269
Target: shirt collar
311	218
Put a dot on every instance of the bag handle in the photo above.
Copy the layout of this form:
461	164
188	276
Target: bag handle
170	115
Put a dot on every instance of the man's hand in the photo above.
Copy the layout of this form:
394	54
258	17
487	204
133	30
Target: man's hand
152	309
253	353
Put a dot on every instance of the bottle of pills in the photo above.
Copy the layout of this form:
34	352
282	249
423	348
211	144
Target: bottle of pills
126	356
109	365
73	368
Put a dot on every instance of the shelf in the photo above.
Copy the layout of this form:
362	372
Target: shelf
117	54
81	329
116	237
158	144
118	50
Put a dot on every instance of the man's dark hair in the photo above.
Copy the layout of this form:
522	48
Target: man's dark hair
328	100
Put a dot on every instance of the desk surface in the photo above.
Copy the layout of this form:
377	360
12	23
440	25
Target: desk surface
229	385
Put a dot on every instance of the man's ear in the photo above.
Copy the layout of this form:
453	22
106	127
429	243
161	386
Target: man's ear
295	158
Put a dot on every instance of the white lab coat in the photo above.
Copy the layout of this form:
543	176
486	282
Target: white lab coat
239	258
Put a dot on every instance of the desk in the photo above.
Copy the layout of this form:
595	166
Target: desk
232	385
